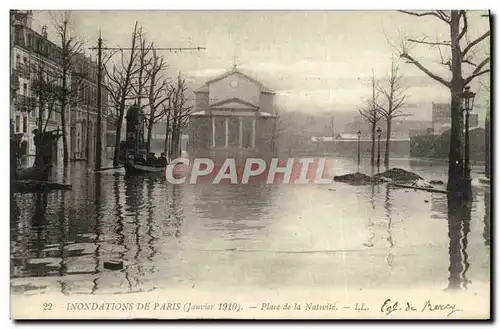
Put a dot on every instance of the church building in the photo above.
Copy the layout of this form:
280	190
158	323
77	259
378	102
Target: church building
233	112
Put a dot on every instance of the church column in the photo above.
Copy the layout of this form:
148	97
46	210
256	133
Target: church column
241	132
253	133
227	132
213	132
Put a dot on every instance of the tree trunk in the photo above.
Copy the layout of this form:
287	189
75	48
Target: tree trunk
455	165
37	137
373	144
388	142
65	64
167	131
65	137
119	124
487	144
150	132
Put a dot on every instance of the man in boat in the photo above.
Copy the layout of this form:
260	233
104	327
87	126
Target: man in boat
139	159
162	160
151	161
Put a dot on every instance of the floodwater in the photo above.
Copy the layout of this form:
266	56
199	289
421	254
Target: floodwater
262	236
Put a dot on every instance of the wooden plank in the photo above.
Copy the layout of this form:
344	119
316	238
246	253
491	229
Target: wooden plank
34	186
419	188
109	168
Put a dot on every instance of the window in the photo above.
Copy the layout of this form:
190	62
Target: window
25	124
18	123
25	88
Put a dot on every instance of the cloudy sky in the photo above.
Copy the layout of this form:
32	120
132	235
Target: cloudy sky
314	60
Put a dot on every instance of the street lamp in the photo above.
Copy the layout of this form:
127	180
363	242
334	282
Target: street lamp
467	106
379	132
359	141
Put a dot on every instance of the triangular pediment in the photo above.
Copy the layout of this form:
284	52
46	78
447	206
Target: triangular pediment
234	103
233	71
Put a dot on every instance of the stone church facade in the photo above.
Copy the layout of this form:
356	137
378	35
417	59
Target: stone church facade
233	112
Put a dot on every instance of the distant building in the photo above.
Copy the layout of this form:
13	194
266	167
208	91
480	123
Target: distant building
438	145
232	111
441	117
346	136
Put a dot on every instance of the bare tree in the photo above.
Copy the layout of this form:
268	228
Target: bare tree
119	87
44	87
463	53
394	95
144	61
278	128
371	113
178	113
158	94
70	47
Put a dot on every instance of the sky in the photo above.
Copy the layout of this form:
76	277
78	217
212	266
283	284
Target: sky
314	60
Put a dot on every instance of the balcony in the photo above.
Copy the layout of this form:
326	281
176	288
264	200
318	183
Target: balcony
14	81
25	103
22	71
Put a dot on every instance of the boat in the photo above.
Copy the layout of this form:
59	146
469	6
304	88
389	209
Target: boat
37	173
133	150
134	168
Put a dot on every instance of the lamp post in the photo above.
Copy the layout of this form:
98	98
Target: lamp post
467	106
359	150
379	132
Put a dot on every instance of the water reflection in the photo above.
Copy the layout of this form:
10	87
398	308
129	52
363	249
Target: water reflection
97	231
259	234
459	217
487	207
388	213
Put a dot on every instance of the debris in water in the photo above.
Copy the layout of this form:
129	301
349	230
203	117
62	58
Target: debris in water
113	265
399	175
357	179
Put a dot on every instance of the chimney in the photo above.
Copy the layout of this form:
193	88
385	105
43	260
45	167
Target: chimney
29	18
44	31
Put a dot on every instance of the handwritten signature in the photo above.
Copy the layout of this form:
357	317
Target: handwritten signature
389	306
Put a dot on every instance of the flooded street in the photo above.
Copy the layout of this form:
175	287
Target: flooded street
262	236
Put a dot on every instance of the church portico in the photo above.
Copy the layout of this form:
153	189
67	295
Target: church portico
233	130
232	112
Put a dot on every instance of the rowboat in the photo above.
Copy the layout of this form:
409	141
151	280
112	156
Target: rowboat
134	168
38	173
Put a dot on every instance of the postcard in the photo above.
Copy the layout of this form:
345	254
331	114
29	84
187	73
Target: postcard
169	164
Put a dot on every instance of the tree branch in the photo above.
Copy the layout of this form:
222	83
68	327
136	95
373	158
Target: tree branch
425	70
432	43
477	72
474	43
463	14
429	13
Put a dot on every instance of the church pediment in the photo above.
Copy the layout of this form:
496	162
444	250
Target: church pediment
234	103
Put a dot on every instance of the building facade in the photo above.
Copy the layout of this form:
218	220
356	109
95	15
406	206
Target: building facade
84	109
232	112
36	72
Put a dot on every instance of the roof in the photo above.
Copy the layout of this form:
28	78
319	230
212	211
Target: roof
234	70
347	136
261	114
